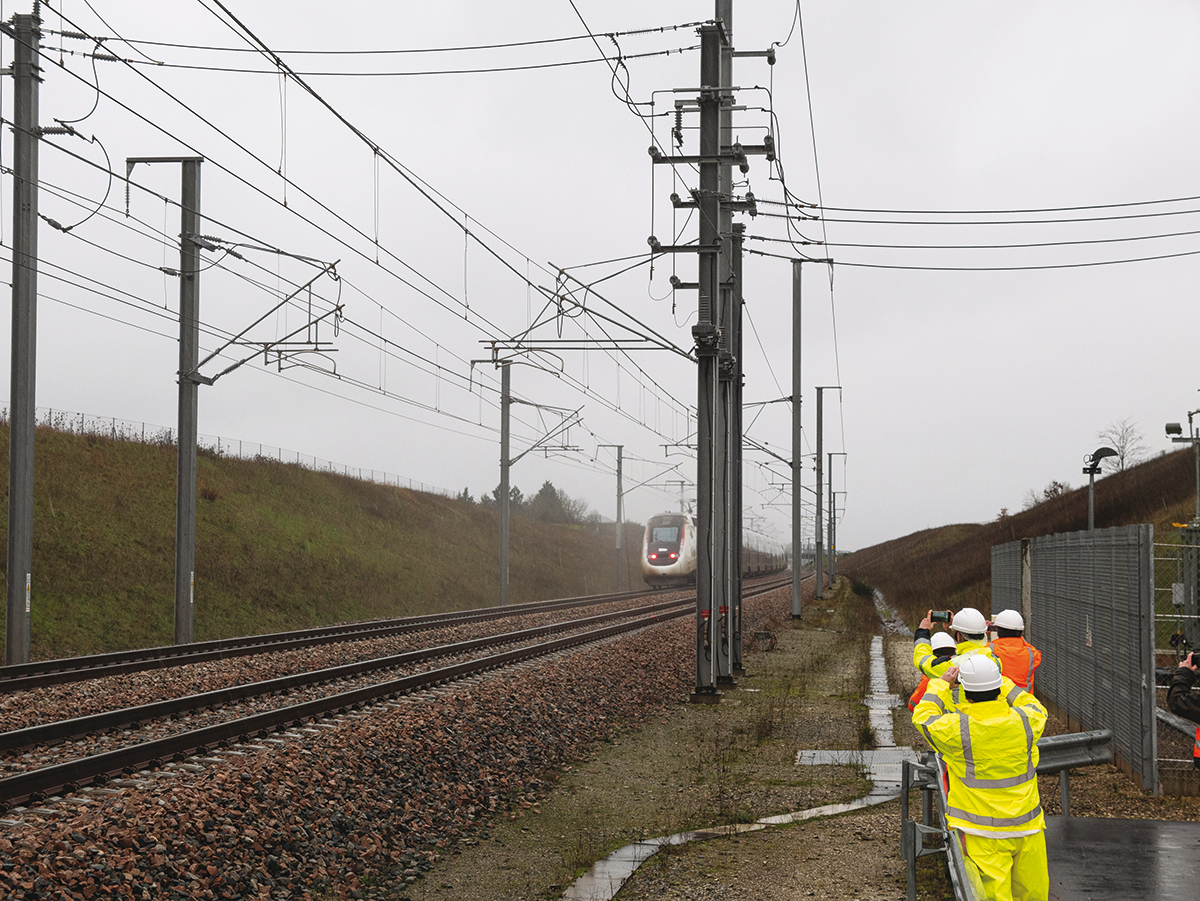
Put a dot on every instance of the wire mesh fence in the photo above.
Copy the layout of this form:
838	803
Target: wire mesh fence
148	433
1091	604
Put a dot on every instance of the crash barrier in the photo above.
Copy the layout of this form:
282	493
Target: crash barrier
1056	754
1090	598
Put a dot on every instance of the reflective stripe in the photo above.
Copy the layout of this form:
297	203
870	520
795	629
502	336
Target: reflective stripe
971	780
933	699
979	820
954	694
1029	669
1013	694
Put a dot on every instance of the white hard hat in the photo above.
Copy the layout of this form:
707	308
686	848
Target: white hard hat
1009	619
978	673
970	621
943	640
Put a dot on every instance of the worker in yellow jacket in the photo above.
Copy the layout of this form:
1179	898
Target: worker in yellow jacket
989	747
970	634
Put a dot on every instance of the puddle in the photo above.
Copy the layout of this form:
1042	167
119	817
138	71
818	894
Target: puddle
883	766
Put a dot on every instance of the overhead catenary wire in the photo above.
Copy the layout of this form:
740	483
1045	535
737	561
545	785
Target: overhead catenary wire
390	311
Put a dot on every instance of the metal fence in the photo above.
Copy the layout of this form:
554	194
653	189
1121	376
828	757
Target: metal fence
149	433
1092	616
1006	577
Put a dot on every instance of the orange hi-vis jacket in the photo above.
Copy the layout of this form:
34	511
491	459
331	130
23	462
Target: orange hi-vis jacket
1018	660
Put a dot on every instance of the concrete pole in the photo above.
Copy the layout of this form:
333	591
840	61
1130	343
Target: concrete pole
26	80
705	333
189	357
797	443
505	409
833	533
819	526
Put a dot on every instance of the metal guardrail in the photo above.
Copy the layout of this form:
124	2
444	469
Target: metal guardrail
1056	754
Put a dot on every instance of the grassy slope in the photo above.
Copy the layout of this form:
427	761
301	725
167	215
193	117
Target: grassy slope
951	566
277	547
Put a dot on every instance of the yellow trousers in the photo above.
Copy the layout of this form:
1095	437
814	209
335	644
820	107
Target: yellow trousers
1008	869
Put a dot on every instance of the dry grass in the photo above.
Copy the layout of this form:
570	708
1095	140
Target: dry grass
950	566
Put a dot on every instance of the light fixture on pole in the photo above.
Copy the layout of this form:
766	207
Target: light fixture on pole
1175	433
1093	466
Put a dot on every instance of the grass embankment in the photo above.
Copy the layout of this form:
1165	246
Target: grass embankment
277	547
950	567
700	766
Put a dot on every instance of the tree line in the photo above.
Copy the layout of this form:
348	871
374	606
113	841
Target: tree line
550	504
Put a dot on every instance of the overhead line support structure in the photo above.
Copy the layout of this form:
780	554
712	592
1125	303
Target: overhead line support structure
189	388
26	70
717	340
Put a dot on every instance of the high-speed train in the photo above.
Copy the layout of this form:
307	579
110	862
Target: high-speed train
669	551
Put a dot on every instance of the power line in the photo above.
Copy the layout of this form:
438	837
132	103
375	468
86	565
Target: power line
383	52
395	74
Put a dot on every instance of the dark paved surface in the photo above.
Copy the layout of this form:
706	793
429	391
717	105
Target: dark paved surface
1125	860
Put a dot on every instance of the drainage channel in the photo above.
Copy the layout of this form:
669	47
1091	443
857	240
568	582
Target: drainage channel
883	766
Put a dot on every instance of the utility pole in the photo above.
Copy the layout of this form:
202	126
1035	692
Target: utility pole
725	534
189	387
832	519
26	71
620	515
819	541
505	464
735	465
797	442
620	448
705	333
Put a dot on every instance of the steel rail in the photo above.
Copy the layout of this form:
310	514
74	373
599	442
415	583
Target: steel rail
43	673
37	785
65	730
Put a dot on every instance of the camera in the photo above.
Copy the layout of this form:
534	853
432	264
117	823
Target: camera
940	616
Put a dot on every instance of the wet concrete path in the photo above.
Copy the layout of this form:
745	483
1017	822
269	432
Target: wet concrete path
1092	858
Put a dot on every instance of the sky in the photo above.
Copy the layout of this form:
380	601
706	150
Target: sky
463	208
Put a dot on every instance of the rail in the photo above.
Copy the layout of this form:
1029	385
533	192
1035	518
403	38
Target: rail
1057	754
43	673
36	785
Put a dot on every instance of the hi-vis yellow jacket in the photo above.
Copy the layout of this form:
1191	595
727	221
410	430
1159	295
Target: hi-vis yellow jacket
990	751
924	658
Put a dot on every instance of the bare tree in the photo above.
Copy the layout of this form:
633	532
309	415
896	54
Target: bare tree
1125	438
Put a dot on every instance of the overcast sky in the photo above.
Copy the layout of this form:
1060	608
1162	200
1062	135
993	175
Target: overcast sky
969	376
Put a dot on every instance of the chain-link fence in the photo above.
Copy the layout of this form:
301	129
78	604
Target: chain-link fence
1092	616
149	433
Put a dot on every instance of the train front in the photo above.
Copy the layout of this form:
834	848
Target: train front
669	550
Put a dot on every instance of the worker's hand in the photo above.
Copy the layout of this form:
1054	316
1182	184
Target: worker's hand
1191	661
927	622
950	676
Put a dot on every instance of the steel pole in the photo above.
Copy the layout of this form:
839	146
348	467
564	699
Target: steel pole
829	565
738	567
505	409
1091	501
705	333
22	420
797	443
820	525
189	389
620	517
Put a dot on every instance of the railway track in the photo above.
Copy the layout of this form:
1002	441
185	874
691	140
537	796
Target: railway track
99	768
43	673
